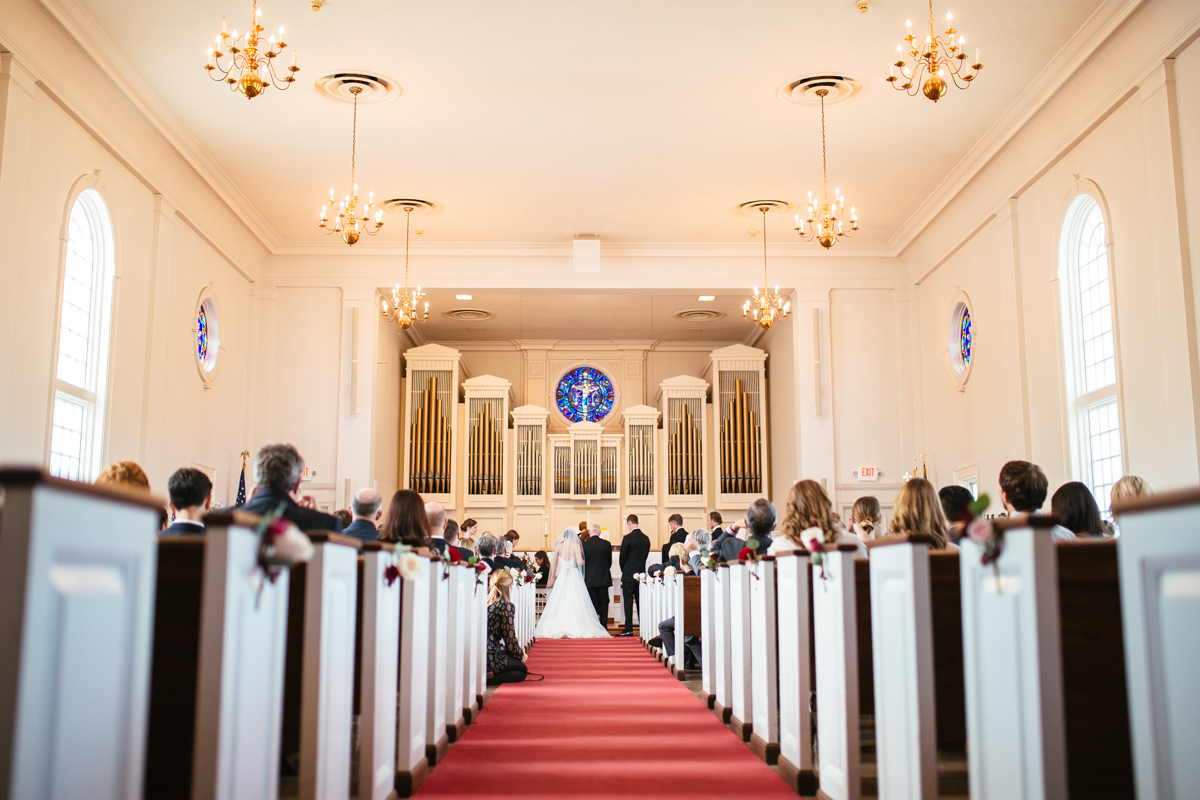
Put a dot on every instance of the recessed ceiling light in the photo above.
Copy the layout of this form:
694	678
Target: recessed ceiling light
462	297
707	298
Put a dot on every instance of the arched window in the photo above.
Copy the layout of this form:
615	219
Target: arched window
81	372
1090	348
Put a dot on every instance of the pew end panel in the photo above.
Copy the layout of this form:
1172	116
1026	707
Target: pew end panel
722	666
794	595
412	766
764	664
688	621
380	643
1159	553
456	652
437	740
77	578
836	633
708	603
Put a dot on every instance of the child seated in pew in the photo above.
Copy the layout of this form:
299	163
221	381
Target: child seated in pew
1077	512
808	507
918	512
865	517
505	657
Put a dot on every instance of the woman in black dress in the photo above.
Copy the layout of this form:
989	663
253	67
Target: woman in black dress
506	658
543	570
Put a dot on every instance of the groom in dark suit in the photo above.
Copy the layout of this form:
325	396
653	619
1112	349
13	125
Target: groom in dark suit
635	548
597	572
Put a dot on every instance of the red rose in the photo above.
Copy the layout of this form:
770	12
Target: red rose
391	574
455	556
745	554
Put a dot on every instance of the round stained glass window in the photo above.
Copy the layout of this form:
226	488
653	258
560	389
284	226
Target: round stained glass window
961	341
202	335
585	394
964	337
206	345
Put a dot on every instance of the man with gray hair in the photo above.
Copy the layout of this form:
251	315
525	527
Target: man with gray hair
756	527
277	472
487	545
367	509
697	542
436	514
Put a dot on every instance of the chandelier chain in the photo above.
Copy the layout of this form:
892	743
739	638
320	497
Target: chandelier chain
824	163
354	136
407	227
764	213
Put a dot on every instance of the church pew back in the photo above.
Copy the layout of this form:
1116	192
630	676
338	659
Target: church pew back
686	589
764	664
77	573
946	603
436	739
456	650
412	765
708	610
836	635
866	662
795	654
741	677
378	645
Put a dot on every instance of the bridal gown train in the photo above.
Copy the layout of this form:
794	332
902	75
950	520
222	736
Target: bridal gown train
569	613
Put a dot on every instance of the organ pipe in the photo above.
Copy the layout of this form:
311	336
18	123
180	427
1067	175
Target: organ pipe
741	445
429	432
486	448
685	454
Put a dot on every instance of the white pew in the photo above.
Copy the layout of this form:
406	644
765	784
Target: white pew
379	672
1159	553
470	589
764	664
436	739
412	766
1013	668
902	648
708	606
722	669
327	675
457	649
686	602
77	574
741	696
795	680
481	640
835	633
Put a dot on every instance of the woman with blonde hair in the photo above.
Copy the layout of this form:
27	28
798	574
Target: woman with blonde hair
918	512
865	517
809	507
1130	486
505	658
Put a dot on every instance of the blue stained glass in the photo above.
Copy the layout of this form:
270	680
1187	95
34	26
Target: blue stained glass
964	338
585	394
202	335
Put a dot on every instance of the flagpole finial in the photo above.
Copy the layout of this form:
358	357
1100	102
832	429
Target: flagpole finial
245	454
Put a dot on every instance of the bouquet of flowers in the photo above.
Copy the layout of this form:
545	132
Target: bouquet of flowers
814	539
280	544
981	530
405	564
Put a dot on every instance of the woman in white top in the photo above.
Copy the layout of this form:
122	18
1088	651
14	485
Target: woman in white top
808	507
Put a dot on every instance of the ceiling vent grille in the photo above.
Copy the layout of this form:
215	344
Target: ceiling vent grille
698	315
468	314
803	91
376	89
420	208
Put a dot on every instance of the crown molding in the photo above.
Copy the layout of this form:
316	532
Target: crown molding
607	250
1090	36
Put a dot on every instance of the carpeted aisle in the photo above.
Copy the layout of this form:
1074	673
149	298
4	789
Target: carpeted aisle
608	721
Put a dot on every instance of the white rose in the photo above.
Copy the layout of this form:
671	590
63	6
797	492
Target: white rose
292	545
669	572
410	565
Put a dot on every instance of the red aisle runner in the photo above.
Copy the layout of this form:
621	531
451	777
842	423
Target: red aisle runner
608	721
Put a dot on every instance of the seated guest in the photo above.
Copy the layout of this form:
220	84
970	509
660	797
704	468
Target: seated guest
505	558
452	540
277	471
756	527
190	492
808	507
366	509
1023	490
405	522
1130	486
1077	512
469	545
505	657
918	512
678	557
435	513
543	571
678	534
697	544
956	501
345	517
487	549
124	475
865	517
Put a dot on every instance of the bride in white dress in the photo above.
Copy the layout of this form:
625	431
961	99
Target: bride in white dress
569	613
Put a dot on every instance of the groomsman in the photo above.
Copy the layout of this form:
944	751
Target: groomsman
678	534
635	549
718	534
597	572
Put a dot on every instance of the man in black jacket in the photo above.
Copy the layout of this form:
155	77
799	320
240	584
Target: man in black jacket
190	492
367	510
597	572
635	549
718	534
277	472
678	534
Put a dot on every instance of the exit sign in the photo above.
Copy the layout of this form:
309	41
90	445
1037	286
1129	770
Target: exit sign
868	473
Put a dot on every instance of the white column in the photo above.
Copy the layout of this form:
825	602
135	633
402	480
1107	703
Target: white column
1012	330
814	400
154	377
356	392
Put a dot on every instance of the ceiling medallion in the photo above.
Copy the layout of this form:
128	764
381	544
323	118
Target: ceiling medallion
824	220
374	89
252	68
952	60
468	314
841	88
404	303
348	223
698	315
767	307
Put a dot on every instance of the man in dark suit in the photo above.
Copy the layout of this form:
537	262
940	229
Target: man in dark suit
190	492
760	519
718	533
277	472
436	514
678	534
597	572
366	510
635	549
451	536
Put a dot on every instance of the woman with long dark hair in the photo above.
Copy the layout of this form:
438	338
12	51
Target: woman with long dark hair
405	522
1076	509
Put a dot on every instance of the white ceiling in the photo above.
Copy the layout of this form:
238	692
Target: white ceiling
533	120
585	316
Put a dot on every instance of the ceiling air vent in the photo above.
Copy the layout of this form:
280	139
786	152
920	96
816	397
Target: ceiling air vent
420	208
376	89
775	208
698	315
803	91
468	314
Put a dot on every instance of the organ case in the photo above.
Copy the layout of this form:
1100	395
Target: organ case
586	462
529	455
740	424
684	414
641	434
486	440
431	375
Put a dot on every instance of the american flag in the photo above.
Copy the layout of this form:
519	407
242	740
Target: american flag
241	495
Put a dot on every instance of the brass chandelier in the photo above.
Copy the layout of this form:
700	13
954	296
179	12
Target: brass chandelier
767	307
252	66
348	223
942	57
825	220
404	303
